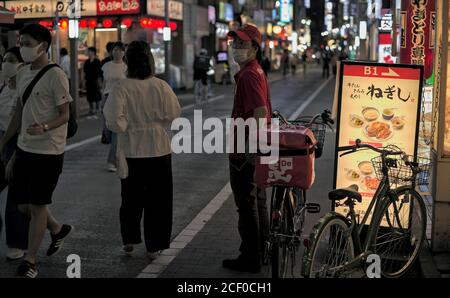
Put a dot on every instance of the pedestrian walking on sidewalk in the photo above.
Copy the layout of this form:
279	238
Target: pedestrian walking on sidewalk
201	68
326	65
285	62
266	65
113	72
138	109
16	223
42	114
92	75
252	100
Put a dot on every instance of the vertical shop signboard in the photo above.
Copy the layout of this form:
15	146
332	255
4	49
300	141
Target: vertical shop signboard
380	105
418	21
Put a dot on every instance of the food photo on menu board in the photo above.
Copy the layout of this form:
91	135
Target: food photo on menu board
380	105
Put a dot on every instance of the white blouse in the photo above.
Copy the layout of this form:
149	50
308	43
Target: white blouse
141	112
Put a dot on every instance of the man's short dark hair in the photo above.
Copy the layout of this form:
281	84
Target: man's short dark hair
92	49
37	32
63	52
119	45
110	46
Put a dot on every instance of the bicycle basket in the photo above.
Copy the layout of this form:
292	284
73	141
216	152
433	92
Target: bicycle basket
400	173
319	131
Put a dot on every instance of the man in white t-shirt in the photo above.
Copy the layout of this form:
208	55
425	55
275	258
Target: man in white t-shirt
42	124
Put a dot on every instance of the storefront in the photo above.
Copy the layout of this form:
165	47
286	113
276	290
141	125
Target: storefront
441	131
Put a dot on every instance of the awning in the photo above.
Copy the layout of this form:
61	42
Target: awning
6	16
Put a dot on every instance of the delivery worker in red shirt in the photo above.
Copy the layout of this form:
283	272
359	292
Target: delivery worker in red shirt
252	100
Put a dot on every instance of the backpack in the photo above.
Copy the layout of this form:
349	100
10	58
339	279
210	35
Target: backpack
202	62
72	125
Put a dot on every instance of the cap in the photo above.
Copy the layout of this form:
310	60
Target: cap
248	32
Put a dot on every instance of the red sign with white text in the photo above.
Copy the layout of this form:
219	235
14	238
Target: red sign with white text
118	7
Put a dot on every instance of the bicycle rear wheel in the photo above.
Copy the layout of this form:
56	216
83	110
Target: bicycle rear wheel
331	247
284	226
400	232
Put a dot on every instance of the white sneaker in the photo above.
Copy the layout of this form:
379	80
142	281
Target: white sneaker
153	255
112	168
14	254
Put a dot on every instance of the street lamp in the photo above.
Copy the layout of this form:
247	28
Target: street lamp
74	13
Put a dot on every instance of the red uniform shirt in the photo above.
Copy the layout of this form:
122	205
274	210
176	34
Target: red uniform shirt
252	92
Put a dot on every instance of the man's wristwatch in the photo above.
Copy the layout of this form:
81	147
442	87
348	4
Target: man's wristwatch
46	128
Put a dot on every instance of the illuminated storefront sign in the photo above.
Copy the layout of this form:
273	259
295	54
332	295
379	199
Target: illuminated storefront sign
285	11
418	26
380	105
118	7
226	11
156	8
36	9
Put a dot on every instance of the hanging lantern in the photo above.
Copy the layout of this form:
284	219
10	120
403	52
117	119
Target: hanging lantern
107	23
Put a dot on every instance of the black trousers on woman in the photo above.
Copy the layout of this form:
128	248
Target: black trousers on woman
147	191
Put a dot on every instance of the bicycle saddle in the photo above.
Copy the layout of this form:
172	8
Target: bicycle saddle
350	192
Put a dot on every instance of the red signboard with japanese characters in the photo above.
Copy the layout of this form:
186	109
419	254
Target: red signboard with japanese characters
118	7
418	20
380	105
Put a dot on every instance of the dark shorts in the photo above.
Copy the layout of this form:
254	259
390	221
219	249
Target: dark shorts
35	177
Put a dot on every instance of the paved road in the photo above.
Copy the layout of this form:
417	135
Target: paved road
89	197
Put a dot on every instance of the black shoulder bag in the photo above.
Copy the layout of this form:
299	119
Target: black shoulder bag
72	125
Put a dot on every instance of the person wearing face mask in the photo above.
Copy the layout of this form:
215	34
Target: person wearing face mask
252	100
41	118
16	223
113	71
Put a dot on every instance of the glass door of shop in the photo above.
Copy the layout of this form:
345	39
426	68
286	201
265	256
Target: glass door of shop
102	37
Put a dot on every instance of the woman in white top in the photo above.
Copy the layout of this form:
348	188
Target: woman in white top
140	109
16	223
113	72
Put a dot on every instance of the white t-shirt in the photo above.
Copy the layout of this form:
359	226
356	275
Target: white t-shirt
8	100
112	73
51	91
65	65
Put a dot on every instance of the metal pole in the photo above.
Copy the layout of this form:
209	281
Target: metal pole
394	51
57	43
74	74
167	43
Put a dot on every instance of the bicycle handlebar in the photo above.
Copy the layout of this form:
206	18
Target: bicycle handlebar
358	145
324	116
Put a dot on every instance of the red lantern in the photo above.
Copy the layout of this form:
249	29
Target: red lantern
144	22
127	22
151	23
173	26
83	23
63	24
92	23
107	23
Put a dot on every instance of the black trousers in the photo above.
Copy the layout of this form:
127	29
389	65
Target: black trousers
253	224
148	191
16	222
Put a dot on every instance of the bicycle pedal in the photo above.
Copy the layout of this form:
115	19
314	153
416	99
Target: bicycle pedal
313	207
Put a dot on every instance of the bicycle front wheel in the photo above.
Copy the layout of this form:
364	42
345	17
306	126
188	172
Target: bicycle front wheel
280	248
401	232
330	249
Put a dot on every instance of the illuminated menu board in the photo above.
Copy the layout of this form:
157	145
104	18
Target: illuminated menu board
379	104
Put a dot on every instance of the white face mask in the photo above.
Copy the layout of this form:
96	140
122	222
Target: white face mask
240	55
10	69
30	55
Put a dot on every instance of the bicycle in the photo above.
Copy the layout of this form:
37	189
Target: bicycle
289	206
396	230
200	92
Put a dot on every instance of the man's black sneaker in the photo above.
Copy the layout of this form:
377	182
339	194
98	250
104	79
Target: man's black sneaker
58	240
243	265
27	270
